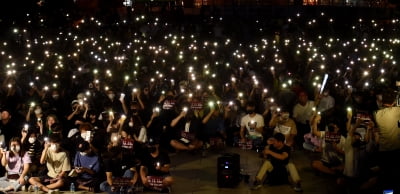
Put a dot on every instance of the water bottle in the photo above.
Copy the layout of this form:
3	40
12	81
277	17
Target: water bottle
122	190
36	189
72	188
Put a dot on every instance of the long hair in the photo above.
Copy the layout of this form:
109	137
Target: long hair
21	152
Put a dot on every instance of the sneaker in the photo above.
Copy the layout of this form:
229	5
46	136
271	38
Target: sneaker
31	188
256	187
297	189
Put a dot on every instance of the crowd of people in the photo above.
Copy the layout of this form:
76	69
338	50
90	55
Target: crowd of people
100	105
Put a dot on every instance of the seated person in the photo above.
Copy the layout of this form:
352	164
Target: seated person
117	174
277	165
33	147
332	148
186	129
214	127
282	123
252	127
156	166
16	161
87	167
57	163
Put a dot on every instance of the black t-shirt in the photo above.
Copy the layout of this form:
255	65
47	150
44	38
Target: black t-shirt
150	163
115	166
280	163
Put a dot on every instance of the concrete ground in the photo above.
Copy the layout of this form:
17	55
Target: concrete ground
195	174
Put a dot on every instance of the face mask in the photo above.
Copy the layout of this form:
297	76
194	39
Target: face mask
15	149
111	96
38	111
83	135
32	140
284	117
250	111
53	147
83	153
55	96
130	124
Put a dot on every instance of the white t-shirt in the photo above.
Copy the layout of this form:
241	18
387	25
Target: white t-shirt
251	123
327	150
303	113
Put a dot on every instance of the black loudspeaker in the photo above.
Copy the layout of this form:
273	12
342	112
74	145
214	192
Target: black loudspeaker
228	170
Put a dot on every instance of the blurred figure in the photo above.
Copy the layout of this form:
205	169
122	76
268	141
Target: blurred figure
332	148
302	113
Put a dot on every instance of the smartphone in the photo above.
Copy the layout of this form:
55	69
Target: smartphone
388	191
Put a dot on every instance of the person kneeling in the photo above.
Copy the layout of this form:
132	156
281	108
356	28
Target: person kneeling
154	170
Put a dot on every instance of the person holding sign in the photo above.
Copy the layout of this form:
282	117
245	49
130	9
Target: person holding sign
154	171
332	148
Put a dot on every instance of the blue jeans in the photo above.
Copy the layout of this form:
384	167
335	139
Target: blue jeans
5	182
105	187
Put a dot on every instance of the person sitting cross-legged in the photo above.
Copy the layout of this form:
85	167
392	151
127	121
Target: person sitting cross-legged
277	166
87	167
16	161
57	163
154	170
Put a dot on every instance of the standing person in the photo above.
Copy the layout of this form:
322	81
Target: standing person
388	123
57	163
156	164
16	161
252	126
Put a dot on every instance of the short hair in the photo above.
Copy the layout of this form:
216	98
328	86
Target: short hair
83	146
279	137
85	126
388	96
